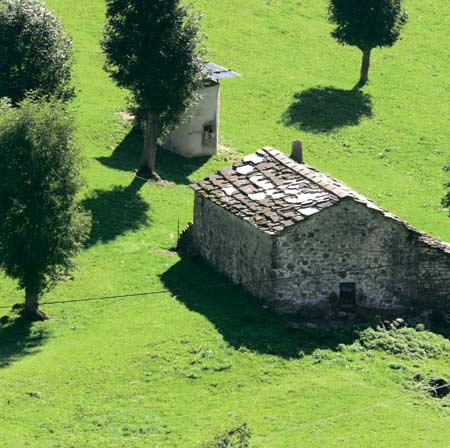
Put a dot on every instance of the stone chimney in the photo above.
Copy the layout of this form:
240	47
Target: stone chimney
297	151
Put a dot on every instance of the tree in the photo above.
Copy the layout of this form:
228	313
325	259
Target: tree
154	49
42	226
367	24
34	52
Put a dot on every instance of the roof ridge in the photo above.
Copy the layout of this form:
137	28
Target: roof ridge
284	201
305	170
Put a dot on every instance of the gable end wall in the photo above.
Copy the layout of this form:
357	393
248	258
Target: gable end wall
347	242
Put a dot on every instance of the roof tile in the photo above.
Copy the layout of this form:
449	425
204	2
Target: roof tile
273	192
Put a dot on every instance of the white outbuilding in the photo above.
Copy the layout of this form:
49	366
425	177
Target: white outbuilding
198	134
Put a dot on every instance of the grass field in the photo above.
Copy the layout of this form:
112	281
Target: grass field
172	369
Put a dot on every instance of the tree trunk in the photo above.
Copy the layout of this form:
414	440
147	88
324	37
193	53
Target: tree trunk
31	309
365	67
147	166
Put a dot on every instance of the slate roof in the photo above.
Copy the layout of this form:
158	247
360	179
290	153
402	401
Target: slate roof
214	72
273	192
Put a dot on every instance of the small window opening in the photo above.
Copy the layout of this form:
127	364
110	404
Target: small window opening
209	134
347	294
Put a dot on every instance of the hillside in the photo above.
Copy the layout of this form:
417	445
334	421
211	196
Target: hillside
174	368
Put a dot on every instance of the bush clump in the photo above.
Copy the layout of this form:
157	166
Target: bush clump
234	438
407	343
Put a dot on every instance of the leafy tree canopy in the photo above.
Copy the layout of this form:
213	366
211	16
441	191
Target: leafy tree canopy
42	226
154	49
34	52
367	24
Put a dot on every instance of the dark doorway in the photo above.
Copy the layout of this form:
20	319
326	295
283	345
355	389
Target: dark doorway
209	134
347	294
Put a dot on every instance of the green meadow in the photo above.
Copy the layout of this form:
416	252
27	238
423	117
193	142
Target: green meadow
172	369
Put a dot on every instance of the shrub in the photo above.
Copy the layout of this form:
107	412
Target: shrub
234	438
407	343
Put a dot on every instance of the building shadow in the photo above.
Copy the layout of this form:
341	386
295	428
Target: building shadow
17	340
242	321
323	109
116	212
170	166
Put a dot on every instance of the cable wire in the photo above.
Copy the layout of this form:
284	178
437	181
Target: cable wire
176	291
347	414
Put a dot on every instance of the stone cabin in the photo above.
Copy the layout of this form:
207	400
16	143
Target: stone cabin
299	239
198	134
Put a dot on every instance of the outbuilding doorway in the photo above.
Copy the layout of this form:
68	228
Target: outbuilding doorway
347	294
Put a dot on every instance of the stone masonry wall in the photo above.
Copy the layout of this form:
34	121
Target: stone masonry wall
233	247
434	277
348	242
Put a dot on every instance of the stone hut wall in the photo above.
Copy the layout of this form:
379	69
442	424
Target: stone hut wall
346	243
434	277
233	247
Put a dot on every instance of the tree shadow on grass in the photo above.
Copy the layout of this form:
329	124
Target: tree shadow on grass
170	166
116	212
17	340
323	109
241	320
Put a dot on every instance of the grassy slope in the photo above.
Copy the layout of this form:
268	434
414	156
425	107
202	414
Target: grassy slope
169	371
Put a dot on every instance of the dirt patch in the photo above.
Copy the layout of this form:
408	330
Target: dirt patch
163	251
126	116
